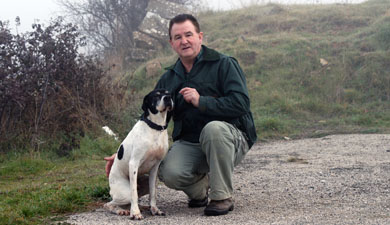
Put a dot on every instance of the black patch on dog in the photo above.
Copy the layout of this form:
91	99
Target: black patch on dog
120	152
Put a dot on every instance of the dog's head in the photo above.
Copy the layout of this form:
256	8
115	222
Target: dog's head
157	101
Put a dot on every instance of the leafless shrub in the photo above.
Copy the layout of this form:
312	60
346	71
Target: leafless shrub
46	86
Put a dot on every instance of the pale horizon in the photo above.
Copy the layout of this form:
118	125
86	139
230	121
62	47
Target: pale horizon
42	11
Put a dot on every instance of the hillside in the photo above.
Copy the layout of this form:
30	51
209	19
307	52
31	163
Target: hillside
311	69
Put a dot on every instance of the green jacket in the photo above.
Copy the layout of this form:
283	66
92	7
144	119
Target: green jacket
221	85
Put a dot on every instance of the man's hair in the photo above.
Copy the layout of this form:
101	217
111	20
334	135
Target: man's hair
181	18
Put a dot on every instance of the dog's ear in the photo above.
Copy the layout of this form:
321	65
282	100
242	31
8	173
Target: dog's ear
169	116
146	103
149	104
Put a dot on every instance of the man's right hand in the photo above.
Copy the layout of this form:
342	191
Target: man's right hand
110	161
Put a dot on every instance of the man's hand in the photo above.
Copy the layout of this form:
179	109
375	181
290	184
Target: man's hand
110	161
190	95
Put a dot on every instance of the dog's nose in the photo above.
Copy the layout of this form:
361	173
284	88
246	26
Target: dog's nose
167	101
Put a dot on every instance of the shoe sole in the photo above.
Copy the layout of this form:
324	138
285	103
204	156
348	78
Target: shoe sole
214	212
198	204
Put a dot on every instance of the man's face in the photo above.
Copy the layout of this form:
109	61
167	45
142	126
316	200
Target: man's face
185	40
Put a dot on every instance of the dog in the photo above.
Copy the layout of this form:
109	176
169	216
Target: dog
141	153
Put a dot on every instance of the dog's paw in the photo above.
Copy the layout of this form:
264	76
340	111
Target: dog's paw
116	209
123	212
156	212
137	216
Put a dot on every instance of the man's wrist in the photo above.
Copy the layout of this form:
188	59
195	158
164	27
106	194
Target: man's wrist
202	104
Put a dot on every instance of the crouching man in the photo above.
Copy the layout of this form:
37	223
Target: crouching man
213	124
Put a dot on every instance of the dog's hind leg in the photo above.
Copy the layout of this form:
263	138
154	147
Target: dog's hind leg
120	194
152	190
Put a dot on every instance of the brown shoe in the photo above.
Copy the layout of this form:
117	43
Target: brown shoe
219	207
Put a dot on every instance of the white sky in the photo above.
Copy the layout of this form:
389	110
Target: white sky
30	11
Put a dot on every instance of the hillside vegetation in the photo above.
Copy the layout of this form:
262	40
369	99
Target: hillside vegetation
311	70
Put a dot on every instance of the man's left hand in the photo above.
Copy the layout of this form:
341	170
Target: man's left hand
110	161
190	95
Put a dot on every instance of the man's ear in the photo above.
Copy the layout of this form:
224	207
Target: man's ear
201	37
171	43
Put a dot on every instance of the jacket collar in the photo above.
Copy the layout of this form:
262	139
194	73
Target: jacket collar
206	54
210	54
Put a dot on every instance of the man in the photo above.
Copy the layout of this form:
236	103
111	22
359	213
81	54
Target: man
213	125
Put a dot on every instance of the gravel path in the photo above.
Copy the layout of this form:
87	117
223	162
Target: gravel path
338	179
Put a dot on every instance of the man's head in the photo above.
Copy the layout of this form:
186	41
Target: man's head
185	36
181	19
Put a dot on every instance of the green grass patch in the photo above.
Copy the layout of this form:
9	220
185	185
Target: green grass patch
95	148
34	190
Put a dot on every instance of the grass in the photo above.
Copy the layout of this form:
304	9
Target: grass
35	190
292	95
280	49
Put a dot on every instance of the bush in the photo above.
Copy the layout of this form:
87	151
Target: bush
383	35
46	86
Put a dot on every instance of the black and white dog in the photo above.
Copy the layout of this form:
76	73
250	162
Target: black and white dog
140	153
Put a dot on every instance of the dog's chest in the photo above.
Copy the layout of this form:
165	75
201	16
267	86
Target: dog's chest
145	145
151	158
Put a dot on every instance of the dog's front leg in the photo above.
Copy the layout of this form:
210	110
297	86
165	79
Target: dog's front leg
152	191
135	213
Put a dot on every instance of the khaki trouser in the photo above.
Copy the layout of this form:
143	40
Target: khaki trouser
194	167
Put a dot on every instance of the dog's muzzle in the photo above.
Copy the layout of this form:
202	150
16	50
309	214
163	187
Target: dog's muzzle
168	103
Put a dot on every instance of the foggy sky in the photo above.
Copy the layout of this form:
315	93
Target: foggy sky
32	11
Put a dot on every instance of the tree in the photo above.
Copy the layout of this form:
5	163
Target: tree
111	25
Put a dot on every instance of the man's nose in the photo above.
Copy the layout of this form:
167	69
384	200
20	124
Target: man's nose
184	40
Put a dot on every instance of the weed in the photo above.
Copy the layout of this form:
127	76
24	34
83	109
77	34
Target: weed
100	193
362	120
293	159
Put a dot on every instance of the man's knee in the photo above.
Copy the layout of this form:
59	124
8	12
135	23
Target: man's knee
170	176
215	130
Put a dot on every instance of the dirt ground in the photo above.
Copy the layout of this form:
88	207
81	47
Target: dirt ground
338	179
